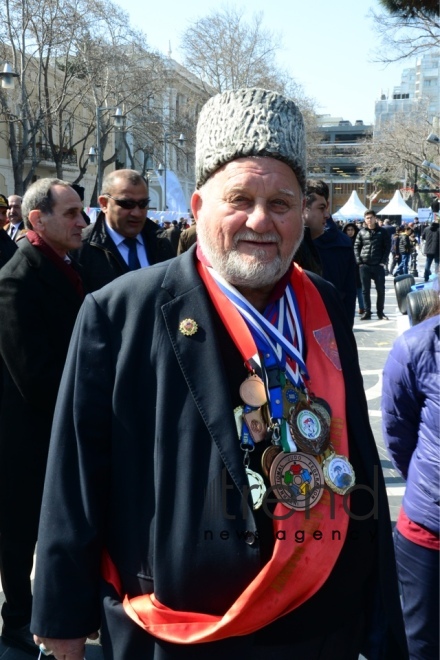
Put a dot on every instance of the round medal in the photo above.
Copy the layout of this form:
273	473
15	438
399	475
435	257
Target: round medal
268	458
338	473
297	480
318	407
309	430
252	391
257	487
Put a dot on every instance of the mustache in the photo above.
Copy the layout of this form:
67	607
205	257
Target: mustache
249	235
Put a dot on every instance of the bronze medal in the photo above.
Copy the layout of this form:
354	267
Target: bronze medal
297	480
338	473
268	458
253	392
309	430
257	487
321	406
256	425
321	410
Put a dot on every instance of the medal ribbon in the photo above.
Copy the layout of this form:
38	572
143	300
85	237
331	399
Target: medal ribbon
293	574
274	339
279	340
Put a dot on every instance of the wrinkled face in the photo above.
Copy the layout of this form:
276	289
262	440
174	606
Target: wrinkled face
370	221
249	220
315	216
14	212
127	222
61	229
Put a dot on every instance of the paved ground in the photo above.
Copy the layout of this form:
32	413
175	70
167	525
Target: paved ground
374	339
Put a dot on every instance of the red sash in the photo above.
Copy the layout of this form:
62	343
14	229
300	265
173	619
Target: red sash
295	572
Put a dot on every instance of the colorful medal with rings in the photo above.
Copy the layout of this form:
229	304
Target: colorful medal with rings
338	473
297	480
309	429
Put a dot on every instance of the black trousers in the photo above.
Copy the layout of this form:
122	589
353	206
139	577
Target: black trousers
377	274
16	560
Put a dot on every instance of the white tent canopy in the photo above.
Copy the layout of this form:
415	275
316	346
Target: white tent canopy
353	209
397	206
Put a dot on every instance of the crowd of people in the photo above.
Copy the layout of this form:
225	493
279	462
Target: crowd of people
190	442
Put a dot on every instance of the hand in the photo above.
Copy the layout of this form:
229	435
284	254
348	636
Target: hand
65	649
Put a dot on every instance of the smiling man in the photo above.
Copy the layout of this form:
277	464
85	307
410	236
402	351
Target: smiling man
193	432
122	238
40	295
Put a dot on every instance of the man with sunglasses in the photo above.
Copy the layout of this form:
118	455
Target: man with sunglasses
122	238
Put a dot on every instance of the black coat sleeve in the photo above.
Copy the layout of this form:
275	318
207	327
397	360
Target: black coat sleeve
77	485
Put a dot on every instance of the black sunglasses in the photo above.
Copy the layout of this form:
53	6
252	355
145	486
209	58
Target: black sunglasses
130	204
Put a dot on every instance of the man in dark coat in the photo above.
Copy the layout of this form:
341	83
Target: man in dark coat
371	249
15	217
150	467
7	245
314	215
121	229
40	295
338	264
431	248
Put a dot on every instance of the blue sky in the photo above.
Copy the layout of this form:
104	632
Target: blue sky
328	47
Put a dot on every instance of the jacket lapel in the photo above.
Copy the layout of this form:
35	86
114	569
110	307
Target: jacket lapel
199	359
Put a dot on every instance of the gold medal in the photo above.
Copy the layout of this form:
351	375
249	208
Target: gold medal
338	473
253	392
257	487
297	480
309	430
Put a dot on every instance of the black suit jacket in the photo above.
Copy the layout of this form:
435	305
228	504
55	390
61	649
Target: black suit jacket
140	446
101	260
38	308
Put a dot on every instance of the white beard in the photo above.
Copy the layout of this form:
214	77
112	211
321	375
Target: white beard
245	270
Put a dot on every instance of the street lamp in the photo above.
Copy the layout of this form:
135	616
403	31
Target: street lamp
433	138
7	76
432	166
163	169
95	152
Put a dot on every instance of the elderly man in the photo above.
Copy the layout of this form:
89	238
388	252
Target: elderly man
40	295
14	216
186	512
122	238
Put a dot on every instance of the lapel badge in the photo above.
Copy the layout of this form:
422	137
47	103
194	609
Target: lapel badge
188	327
